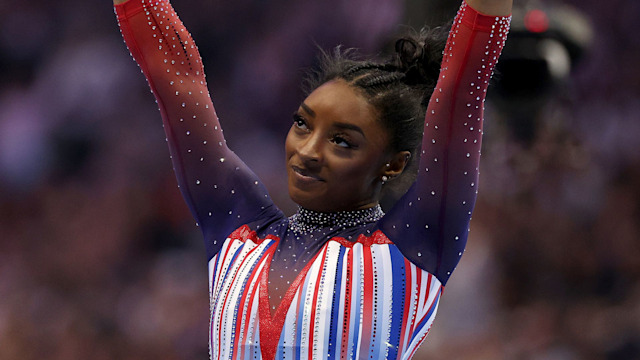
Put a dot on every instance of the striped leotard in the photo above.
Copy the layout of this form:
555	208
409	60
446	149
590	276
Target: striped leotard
349	285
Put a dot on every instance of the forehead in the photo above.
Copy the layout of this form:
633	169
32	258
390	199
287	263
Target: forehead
338	101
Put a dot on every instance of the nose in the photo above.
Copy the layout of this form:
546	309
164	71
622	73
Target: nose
310	149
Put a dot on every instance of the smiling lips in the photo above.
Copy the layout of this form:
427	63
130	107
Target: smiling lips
304	175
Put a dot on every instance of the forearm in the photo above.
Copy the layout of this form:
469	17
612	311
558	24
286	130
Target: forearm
438	207
164	51
451	146
215	183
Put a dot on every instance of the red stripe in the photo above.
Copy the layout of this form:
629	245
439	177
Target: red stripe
407	306
344	350
221	262
244	331
433	303
270	329
215	285
377	238
268	342
244	233
227	295
418	283
246	328
427	332
406	325
367	310
426	295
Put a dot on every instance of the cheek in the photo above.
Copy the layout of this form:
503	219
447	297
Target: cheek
359	170
289	145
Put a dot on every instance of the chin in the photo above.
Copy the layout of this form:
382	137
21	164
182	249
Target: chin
309	201
302	199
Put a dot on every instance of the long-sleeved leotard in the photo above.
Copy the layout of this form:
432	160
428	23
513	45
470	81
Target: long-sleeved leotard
370	289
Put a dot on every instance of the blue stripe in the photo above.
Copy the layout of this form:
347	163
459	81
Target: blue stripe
420	326
334	327
280	348
398	292
224	277
300	318
242	291
354	326
215	270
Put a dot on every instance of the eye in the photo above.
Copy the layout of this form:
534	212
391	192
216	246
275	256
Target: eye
342	142
300	122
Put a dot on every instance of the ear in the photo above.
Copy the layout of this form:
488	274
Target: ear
395	166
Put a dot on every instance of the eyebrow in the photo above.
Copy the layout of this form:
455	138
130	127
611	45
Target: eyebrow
308	110
348	126
339	125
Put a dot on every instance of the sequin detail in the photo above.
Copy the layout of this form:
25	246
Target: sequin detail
306	221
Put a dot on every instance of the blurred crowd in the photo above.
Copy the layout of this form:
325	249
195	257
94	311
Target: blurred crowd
100	258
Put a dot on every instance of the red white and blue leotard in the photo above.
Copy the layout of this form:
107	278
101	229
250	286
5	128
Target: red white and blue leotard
367	291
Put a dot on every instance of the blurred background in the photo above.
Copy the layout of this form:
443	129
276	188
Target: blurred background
100	259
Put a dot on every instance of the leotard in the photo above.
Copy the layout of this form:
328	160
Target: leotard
345	285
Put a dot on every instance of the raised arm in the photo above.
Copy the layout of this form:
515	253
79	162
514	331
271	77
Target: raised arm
492	7
220	190
430	223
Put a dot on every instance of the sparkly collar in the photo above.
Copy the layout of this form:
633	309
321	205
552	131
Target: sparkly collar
306	221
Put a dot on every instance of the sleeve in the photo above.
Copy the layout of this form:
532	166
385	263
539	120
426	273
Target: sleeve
429	224
220	190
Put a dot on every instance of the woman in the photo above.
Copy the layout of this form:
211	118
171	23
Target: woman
339	278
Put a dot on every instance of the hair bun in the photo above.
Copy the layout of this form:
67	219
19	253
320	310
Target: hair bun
419	55
409	52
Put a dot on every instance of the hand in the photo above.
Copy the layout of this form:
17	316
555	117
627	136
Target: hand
492	7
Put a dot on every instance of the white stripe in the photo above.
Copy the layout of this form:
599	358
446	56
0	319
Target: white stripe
217	293
307	302
228	288
423	294
386	287
289	329
411	287
253	335
242	313
358	281
223	264
419	336
324	307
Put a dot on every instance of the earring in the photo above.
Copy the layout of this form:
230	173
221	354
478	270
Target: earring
385	178
388	165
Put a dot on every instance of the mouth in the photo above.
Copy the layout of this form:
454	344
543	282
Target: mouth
305	175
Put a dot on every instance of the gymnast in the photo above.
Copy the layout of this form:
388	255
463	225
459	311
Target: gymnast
339	278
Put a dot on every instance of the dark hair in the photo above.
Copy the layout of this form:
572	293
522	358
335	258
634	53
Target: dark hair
398	87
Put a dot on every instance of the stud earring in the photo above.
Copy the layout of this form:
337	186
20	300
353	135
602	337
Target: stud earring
385	178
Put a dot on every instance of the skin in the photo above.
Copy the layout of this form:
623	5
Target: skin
492	7
337	151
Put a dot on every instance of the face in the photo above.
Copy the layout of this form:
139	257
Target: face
336	151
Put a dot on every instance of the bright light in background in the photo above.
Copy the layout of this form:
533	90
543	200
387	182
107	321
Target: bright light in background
536	21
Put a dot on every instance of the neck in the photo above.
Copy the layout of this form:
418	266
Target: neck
306	221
